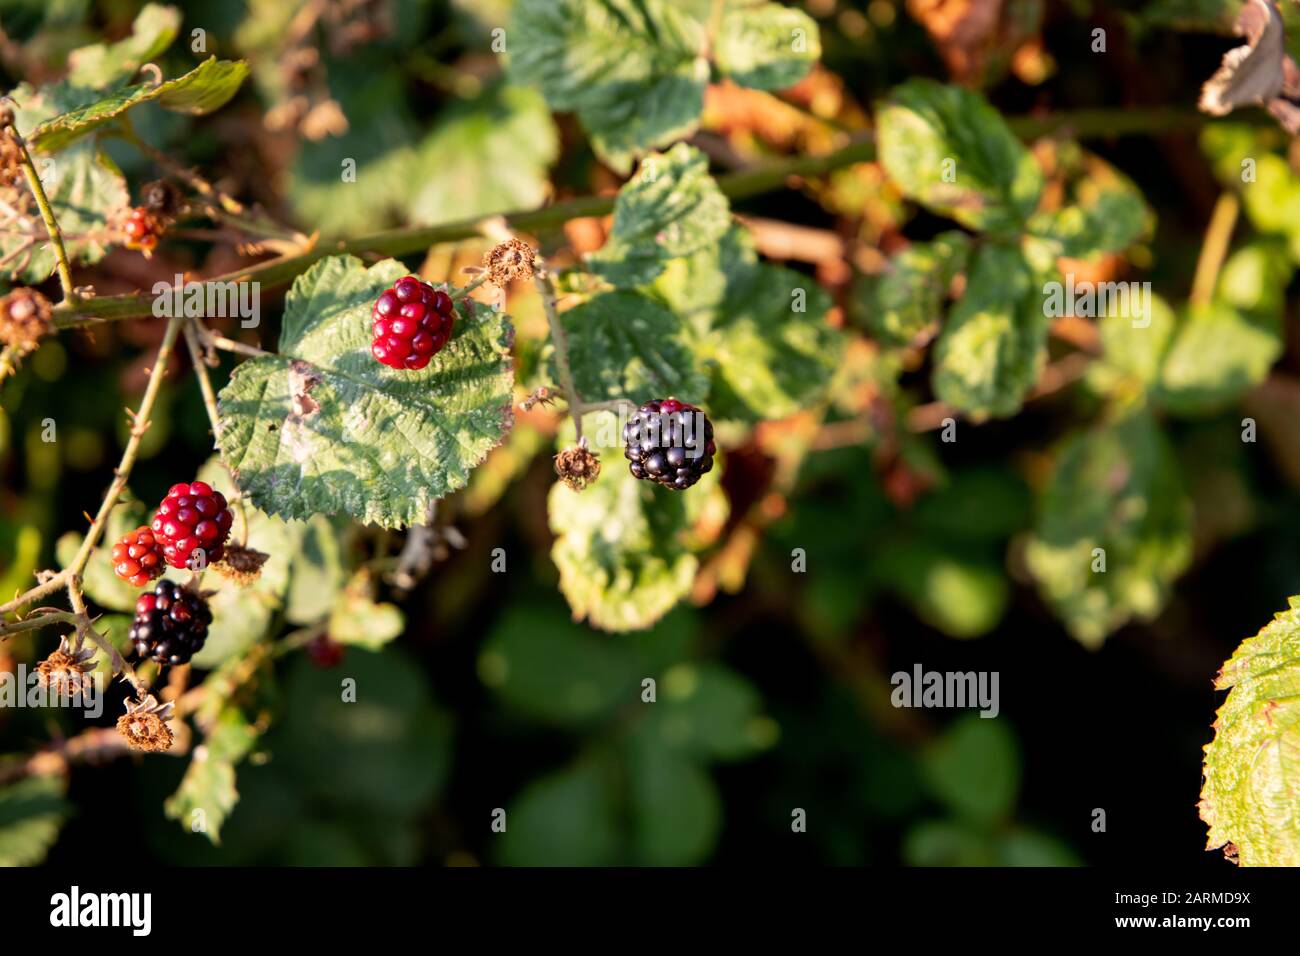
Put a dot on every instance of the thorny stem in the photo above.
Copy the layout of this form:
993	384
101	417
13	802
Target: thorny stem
546	288
47	215
205	382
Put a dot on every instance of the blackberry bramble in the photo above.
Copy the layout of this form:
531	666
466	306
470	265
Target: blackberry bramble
412	321
669	442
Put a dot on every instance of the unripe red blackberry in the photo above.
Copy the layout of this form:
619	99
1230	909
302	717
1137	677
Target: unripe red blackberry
669	442
170	625
191	518
142	230
412	322
137	557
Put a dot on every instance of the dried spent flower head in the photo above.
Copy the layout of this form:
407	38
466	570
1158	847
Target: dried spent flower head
509	260
6	116
241	565
577	466
24	319
65	670
144	725
161	198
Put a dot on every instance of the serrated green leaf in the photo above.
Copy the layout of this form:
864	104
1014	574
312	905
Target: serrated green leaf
630	69
908	299
671	208
762	329
322	428
626	345
1103	211
96	66
1250	796
619	543
1226	346
358	620
486	156
995	340
207	792
32	812
948	149
765	45
1116	488
205	88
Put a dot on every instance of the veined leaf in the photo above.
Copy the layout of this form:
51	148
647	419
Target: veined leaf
908	299
627	345
995	340
631	69
948	149
671	208
1250	797
207	793
205	88
98	65
1115	502
765	45
322	428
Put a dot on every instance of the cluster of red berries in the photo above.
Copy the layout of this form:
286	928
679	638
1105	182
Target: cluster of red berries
412	322
192	518
142	230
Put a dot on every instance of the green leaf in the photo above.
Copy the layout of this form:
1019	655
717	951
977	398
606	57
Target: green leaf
205	88
241	616
485	156
209	782
974	769
762	328
962	592
627	345
765	45
1116	488
32	812
323	428
550	669
671	208
152	32
948	149
1250	797
566	818
619	544
86	190
676	809
385	753
1104	210
356	619
316	572
995	341
630	69
707	712
1133	346
1224	347
908	299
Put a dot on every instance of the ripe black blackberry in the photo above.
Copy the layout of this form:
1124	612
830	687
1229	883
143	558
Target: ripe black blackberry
669	442
170	624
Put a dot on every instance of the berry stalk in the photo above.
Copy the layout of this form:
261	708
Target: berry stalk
47	216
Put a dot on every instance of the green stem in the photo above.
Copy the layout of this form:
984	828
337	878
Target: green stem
47	215
561	343
738	185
